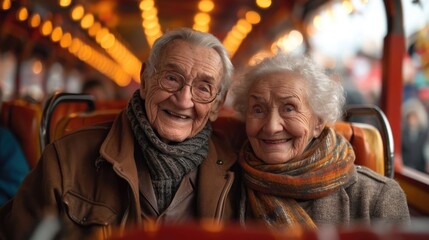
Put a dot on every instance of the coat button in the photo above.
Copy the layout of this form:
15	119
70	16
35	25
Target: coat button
219	162
83	220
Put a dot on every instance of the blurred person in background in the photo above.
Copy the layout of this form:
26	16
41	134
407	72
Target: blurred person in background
415	145
13	164
100	90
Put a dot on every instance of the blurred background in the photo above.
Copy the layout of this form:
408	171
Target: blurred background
378	48
49	45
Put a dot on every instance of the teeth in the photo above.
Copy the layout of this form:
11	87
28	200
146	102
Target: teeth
276	141
177	115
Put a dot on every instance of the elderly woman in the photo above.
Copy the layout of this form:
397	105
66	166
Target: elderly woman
159	159
298	170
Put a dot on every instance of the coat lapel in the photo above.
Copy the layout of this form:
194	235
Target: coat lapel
215	180
118	149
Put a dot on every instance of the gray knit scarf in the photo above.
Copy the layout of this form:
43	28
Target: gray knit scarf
167	162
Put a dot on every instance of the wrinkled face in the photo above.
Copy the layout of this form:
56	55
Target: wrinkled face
279	121
175	116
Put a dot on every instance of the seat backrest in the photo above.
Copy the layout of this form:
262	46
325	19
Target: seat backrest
66	108
367	144
365	138
74	121
111	104
23	119
63	109
226	125
67	105
372	115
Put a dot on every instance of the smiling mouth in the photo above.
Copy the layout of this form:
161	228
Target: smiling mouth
276	141
176	115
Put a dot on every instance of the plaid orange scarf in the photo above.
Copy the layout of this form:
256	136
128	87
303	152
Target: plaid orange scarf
273	190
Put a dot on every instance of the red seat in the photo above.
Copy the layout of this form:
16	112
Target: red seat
23	119
75	121
365	139
111	104
366	142
61	105
62	110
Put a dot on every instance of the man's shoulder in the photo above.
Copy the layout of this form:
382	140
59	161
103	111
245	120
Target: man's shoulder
82	142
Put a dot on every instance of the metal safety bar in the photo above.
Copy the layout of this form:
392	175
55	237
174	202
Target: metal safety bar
384	128
49	108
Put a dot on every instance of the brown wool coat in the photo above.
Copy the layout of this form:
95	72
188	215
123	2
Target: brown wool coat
89	179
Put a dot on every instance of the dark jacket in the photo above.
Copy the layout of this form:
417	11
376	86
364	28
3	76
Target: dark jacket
13	165
413	148
89	179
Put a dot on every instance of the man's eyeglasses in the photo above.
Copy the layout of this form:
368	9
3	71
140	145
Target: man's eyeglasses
202	91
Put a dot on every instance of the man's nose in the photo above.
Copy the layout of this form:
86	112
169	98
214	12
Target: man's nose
184	96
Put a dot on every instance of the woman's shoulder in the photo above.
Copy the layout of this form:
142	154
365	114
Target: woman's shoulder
368	180
382	194
369	174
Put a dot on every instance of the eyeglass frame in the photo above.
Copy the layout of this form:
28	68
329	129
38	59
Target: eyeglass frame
183	85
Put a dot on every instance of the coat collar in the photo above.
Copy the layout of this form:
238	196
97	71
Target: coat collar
121	137
118	149
213	173
215	179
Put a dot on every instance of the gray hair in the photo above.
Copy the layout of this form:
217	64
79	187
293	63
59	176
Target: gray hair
326	96
195	37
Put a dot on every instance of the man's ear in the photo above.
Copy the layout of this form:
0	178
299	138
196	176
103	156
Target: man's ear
142	82
214	111
320	125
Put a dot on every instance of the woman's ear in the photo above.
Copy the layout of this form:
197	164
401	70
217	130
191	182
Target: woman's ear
318	128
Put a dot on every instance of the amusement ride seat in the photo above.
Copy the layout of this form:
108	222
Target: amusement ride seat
23	119
373	147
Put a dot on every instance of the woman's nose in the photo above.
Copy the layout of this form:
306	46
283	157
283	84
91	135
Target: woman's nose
273	123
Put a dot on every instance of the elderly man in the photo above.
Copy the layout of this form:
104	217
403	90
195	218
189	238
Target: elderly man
158	160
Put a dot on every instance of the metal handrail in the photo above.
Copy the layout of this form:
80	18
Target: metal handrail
49	108
385	131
